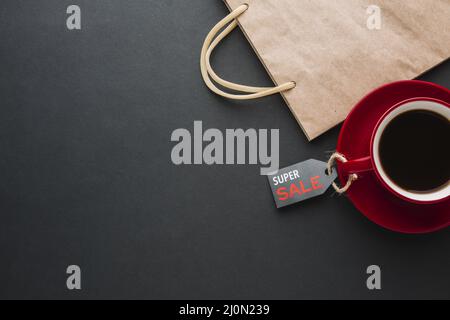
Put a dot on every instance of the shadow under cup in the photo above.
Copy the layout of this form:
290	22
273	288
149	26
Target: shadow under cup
411	150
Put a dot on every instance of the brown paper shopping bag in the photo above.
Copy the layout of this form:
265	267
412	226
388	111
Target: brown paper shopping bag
324	55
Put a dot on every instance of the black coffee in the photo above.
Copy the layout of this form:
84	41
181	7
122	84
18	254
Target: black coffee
415	150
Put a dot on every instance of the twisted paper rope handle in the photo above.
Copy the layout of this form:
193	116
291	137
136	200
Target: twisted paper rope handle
205	66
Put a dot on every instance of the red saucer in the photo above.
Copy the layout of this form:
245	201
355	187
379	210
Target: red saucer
367	193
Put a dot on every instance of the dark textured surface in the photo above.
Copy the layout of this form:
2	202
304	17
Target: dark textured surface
86	175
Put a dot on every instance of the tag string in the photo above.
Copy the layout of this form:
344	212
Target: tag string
351	178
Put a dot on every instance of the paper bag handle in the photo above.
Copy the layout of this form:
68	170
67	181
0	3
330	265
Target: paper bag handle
205	66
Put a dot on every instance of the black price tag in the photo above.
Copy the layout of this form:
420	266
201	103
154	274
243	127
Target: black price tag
300	181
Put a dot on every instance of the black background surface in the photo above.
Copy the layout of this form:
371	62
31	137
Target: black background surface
86	176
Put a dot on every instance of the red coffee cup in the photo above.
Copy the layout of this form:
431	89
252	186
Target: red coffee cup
373	162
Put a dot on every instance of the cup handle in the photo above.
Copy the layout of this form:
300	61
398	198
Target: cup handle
357	166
